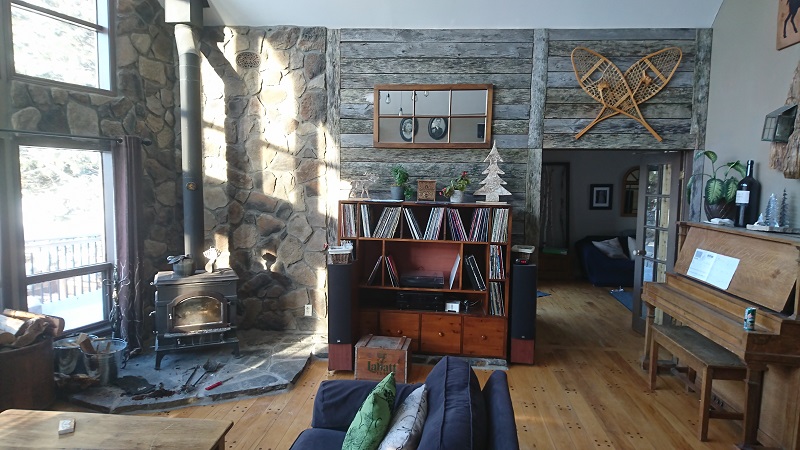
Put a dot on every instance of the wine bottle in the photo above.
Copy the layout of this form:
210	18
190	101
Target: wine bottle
747	193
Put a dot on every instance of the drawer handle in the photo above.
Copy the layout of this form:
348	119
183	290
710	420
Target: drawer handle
483	337
441	334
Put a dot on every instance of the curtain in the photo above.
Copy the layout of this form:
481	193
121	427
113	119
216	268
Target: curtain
128	207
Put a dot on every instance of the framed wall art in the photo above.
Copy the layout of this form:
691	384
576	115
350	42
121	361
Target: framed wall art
787	30
600	196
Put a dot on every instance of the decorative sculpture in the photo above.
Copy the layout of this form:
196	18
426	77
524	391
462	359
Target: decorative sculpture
623	93
493	185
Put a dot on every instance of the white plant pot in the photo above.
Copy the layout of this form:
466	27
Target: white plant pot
457	197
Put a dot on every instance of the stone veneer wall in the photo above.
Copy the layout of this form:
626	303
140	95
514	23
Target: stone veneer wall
265	192
144	104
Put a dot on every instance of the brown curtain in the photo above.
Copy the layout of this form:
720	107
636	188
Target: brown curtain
128	207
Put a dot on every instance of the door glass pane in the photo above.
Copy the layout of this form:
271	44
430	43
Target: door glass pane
82	9
62	52
649	242
653	179
651	219
77	300
648	270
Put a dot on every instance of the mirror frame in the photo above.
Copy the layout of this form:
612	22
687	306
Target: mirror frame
423	121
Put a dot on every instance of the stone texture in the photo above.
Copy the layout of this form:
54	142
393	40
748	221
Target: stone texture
26	119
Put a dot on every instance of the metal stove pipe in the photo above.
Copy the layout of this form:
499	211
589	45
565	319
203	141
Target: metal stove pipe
191	140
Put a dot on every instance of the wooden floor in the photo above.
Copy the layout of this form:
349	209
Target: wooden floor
585	391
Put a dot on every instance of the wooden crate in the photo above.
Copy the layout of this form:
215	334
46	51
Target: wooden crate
377	356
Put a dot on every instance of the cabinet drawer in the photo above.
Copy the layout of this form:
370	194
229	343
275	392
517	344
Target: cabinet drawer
484	336
440	333
398	324
367	322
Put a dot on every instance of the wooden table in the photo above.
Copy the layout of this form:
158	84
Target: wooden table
39	429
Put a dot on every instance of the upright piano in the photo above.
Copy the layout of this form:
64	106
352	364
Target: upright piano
765	278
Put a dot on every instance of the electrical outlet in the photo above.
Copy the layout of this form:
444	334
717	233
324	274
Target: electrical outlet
308	310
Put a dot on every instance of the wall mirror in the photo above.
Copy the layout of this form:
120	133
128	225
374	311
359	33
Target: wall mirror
554	206
433	116
630	192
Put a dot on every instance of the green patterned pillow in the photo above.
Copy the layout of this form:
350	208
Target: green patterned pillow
372	419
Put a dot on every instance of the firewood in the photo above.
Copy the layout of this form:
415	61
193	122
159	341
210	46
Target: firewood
85	342
6	338
34	329
11	325
57	322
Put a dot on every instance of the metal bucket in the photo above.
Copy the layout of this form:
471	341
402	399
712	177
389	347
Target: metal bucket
68	356
105	364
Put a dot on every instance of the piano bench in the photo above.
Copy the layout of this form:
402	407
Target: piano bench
706	357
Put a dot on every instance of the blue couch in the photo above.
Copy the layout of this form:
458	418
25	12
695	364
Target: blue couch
599	268
461	416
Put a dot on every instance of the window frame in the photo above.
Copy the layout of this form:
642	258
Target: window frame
106	74
13	277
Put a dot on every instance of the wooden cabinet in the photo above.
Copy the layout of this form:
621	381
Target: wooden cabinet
466	245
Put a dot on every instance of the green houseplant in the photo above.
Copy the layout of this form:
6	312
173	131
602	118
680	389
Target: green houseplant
399	188
455	190
719	191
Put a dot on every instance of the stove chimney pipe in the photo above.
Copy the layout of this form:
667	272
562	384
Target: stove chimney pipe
188	18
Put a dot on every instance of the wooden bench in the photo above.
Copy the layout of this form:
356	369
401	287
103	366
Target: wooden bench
700	354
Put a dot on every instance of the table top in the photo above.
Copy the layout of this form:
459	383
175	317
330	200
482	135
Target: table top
39	429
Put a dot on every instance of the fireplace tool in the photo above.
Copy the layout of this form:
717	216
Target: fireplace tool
186	387
209	367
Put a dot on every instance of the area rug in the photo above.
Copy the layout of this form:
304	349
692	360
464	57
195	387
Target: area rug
624	297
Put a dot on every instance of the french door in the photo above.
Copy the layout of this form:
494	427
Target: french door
656	234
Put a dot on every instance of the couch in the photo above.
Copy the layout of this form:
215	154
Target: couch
460	416
602	270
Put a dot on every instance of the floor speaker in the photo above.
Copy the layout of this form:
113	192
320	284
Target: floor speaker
340	317
523	312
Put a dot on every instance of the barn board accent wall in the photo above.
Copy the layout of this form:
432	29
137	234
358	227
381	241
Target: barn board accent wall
538	104
500	57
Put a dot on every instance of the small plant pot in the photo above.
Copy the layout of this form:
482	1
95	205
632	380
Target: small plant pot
397	192
457	197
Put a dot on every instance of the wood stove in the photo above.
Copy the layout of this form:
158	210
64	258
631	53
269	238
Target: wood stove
195	311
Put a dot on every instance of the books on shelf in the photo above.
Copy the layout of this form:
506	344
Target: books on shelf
479	229
496	263
413	226
497	306
474	273
387	222
365	221
500	225
454	270
457	231
349	220
434	227
394	279
375	271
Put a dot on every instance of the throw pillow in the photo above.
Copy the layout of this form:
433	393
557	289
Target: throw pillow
372	419
610	248
405	428
631	247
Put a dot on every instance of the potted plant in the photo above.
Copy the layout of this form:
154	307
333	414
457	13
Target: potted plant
455	190
400	183
719	192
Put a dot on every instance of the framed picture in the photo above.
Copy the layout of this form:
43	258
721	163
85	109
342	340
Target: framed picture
787	32
408	128
600	196
437	127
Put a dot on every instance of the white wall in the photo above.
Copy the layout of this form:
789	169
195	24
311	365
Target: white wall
589	167
749	79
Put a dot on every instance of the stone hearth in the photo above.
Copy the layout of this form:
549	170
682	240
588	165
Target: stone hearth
269	362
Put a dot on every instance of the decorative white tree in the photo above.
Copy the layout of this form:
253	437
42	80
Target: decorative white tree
492	185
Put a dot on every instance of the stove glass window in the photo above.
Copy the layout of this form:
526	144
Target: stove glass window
197	312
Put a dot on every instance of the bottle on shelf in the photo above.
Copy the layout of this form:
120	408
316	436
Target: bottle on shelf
747	194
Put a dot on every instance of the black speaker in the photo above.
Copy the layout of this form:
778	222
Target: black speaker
523	301
340	308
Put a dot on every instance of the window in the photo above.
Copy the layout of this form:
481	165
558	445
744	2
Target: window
64	41
67	220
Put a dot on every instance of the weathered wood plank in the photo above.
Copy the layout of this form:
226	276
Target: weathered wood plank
502	95
564	63
364	126
612	49
356	126
590	110
567	79
503	141
360	95
619	142
668	95
700	117
510	127
532	212
619	124
356	111
434	65
444	172
511	157
518	81
622	33
332	142
511	112
436	50
425	35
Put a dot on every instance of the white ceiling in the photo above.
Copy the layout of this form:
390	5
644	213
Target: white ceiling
421	14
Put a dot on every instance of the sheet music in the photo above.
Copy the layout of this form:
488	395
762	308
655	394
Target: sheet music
713	268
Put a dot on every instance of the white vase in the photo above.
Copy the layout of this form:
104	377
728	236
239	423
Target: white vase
457	197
